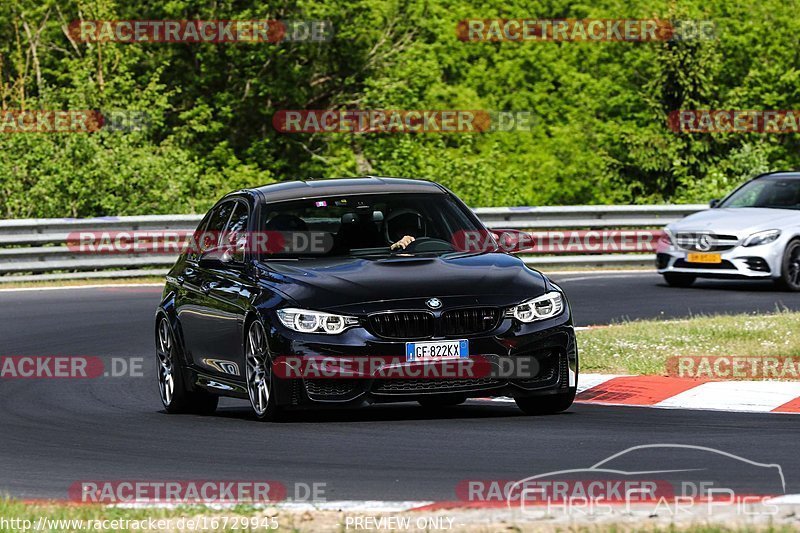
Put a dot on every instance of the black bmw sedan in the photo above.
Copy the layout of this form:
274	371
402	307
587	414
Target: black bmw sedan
352	291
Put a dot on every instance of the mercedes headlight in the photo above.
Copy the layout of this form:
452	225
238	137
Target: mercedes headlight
305	321
762	237
540	308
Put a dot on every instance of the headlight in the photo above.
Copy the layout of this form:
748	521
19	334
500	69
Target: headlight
545	306
668	237
762	237
305	321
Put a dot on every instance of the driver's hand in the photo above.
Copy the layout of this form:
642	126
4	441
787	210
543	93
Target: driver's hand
402	243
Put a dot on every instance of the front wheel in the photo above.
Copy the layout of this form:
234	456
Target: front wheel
679	280
175	397
790	268
546	405
259	375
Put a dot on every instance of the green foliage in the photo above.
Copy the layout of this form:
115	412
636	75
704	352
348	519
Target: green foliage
600	133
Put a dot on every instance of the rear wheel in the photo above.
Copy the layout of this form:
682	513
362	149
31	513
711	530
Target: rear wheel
259	375
448	400
545	405
679	280
790	268
175	397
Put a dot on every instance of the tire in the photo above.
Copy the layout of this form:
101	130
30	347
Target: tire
437	401
790	268
259	375
545	405
175	397
679	280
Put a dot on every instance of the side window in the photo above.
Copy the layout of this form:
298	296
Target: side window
234	238
193	251
216	223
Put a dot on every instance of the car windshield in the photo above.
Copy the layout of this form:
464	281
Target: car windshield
364	225
770	193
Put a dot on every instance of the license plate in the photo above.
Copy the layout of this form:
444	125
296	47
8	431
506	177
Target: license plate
436	350
704	258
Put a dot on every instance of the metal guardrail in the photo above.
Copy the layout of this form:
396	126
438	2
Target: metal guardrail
36	249
585	216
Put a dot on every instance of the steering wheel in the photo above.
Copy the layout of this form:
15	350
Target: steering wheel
425	244
387	224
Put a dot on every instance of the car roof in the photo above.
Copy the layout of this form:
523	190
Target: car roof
298	190
784	174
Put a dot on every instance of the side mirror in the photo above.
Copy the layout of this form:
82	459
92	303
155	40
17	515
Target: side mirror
508	241
212	259
221	257
713	203
513	241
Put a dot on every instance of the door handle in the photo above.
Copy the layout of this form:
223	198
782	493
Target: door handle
208	286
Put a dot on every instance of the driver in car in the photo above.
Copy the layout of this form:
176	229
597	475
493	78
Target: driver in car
398	230
402	243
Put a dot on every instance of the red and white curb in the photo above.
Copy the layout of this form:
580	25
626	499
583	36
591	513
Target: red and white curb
788	499
686	393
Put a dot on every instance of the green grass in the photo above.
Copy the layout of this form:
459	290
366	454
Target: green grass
325	521
642	347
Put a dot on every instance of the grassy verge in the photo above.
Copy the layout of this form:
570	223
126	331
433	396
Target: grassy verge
200	518
642	347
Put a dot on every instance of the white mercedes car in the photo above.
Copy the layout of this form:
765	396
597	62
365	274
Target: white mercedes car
753	233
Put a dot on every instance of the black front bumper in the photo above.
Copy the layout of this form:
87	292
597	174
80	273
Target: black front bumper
551	343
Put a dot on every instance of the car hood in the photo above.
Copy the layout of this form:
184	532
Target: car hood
359	285
741	221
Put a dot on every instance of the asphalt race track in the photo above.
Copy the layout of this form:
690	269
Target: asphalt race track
608	298
54	433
